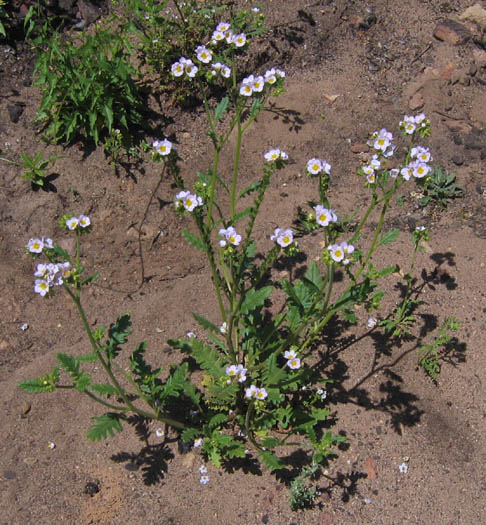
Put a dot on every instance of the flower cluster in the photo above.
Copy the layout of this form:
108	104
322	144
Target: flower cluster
223	32
282	237
410	124
340	252
184	65
50	275
293	362
36	245
162	147
369	169
381	141
316	166
222	69
187	200
274	155
229	235
82	221
237	371
418	167
257	393
255	84
324	216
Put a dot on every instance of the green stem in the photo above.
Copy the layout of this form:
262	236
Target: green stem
236	166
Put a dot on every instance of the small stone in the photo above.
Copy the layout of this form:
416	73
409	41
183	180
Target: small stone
458	159
473	69
30	461
188	460
9	474
360	148
479	56
476	14
15	111
417	101
91	488
452	32
26	406
473	142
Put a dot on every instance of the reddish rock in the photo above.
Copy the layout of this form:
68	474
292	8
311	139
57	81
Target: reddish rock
360	148
452	32
417	101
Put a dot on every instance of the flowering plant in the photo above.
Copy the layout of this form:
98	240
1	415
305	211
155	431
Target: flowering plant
262	384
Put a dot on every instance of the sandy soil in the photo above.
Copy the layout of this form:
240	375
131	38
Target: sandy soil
382	61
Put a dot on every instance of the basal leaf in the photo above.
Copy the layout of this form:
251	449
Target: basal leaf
105	426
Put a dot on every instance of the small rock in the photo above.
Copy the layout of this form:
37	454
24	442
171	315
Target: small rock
417	101
188	460
476	14
452	32
473	69
360	148
15	111
458	126
479	56
473	142
89	12
26	406
9	474
371	468
457	139
91	488
458	159
30	461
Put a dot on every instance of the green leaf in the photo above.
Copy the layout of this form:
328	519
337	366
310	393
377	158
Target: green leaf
221	108
270	460
175	382
217	420
37	386
251	188
117	335
255	299
90	279
104	390
314	276
205	323
388	237
195	241
105	426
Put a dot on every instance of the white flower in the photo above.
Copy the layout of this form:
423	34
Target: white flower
324	216
203	469
223	27
261	394
231	371
421	154
177	69
375	162
394	173
321	393
217	36
294	363
403	468
192	201
290	354
382	140
47	243
72	223
371	178
162	147
84	221
241	373
420	228
228	35
190	69
24	327
272	155
270	76
224	328
239	40
420	118
247	86
283	237
41	287
204	480
180	197
229	234
41	270
372	322
251	391
35	245
225	71
159	433
255	9
406	172
280	73
368	170
337	253
191	335
203	54
420	169
198	442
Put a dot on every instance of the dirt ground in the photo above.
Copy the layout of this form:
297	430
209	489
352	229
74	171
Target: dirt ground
382	61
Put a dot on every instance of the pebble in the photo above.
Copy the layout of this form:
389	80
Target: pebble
452	32
458	159
360	148
15	111
26	406
417	101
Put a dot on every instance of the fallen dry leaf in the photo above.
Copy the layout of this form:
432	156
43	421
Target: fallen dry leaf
371	468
